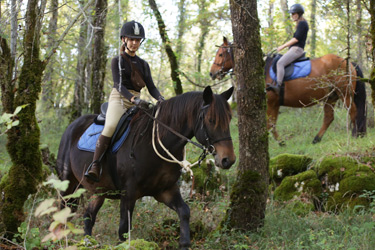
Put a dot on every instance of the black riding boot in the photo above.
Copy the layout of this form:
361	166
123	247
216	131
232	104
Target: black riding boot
275	88
94	170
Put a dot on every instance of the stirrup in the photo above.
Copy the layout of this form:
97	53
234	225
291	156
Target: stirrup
90	176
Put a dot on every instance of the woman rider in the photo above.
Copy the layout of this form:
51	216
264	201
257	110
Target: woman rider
128	82
296	45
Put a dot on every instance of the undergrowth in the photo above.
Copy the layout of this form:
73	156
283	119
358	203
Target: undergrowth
283	229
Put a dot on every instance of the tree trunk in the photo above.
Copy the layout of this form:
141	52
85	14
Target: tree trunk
359	28
81	80
48	86
177	85
23	141
288	24
204	25
372	35
99	56
181	28
6	72
249	195
313	28
271	39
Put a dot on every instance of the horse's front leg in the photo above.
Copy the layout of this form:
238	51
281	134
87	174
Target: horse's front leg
172	198
126	212
91	212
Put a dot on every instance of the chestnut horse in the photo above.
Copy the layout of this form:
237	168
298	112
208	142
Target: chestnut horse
139	170
327	82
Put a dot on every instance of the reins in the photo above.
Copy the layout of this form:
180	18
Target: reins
184	163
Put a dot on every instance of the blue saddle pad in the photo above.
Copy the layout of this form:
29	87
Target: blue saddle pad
88	140
301	69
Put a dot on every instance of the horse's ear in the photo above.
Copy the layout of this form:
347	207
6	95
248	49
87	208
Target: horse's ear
227	94
225	41
208	96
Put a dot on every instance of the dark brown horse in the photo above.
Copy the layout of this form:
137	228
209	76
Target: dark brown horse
141	172
327	82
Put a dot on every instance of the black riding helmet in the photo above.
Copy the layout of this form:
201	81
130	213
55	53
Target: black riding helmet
132	29
297	8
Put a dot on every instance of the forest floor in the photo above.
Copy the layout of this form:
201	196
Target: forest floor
283	229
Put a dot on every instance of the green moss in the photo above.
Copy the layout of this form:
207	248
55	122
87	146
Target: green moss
349	190
286	165
344	180
306	182
138	244
248	201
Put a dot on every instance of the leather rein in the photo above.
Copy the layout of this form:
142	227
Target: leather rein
210	149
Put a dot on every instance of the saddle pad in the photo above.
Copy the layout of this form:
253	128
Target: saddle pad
301	69
88	140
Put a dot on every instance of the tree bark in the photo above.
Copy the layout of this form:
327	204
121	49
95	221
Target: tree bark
49	86
181	28
249	195
288	25
23	141
6	72
177	85
204	24
359	28
81	80
99	56
313	28
372	35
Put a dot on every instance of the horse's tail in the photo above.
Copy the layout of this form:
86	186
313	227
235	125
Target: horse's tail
360	102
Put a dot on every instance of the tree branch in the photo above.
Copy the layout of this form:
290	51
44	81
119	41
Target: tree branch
57	43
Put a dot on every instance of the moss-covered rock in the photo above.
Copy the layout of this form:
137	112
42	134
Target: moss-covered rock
287	165
344	180
138	244
306	183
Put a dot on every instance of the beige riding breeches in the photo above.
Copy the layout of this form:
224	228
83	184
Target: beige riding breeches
292	54
117	106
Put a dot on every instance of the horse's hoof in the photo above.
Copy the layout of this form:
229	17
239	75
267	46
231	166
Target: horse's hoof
316	139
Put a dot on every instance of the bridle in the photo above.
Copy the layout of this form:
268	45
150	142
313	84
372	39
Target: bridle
226	58
207	149
201	126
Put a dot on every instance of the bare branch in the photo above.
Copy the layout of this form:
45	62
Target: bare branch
57	43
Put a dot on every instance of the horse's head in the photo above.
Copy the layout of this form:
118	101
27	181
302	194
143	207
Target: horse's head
223	61
212	127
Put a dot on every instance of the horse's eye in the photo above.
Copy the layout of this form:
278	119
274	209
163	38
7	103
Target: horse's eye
220	55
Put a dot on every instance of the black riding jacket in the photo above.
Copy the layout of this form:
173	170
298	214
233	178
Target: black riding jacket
301	34
126	84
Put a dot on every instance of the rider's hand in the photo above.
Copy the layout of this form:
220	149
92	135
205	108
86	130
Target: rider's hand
140	103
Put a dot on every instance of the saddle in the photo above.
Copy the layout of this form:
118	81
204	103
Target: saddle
88	139
300	67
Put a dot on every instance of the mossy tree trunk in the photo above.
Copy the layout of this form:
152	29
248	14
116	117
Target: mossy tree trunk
177	85
6	70
372	35
23	140
99	55
249	195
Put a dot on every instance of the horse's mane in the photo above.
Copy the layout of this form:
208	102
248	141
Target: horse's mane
182	110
